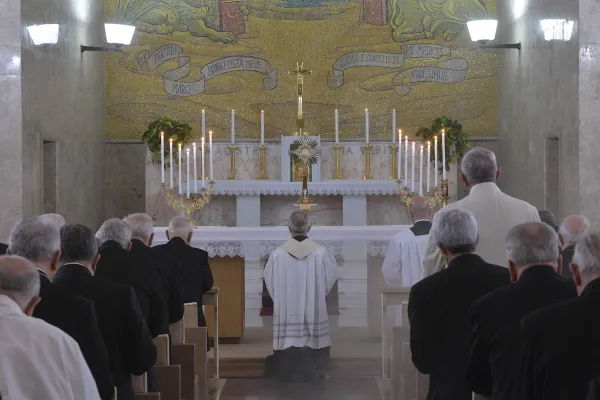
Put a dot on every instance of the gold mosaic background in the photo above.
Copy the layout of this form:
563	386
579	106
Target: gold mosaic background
317	32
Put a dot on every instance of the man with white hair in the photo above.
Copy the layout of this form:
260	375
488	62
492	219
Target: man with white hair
38	240
195	270
439	306
298	276
534	265
570	232
37	360
561	343
118	264
58	219
494	211
168	267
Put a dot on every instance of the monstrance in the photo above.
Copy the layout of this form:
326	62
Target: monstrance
306	152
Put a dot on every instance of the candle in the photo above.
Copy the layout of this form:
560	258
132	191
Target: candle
203	124
162	157
210	153
428	165
187	161
413	168
399	151
262	128
435	161
406	161
202	159
232	127
171	160
337	129
393	126
444	154
195	169
366	126
180	186
421	172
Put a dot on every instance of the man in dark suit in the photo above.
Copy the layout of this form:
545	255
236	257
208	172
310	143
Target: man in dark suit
3	248
127	338
197	276
570	233
169	267
38	240
534	265
594	391
560	349
118	264
439	306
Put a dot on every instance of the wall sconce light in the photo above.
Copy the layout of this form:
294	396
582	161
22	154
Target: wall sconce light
484	30
116	34
43	34
557	29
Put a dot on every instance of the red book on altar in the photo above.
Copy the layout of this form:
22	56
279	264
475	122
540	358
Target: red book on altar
376	12
232	19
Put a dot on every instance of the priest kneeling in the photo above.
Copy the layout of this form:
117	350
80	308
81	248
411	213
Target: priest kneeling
298	276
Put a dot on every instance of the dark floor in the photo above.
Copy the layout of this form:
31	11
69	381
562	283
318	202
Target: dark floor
329	389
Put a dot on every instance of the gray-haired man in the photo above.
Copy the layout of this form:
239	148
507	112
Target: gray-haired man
570	232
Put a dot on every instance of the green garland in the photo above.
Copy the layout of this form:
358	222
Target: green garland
180	132
457	140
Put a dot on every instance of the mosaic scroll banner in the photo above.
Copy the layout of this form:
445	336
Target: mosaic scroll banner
173	83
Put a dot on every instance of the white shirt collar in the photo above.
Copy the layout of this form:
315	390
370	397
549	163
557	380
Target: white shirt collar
8	306
421	220
485	187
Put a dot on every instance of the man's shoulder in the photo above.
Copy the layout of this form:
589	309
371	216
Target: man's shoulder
42	330
61	296
549	318
497	298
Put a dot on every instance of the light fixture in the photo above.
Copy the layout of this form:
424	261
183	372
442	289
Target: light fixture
43	34
116	34
557	29
484	30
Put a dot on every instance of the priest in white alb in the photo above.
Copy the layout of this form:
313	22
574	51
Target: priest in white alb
298	276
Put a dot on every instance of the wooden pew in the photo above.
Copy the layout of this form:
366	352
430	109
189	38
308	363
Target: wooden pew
211	298
167	377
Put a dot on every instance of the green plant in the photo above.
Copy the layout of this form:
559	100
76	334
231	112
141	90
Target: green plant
456	139
178	131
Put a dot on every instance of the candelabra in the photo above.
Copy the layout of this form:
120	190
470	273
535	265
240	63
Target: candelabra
437	195
367	149
394	169
263	169
337	174
181	202
232	171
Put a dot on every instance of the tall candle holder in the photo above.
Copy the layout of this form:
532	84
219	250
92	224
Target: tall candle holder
367	148
437	195
180	202
263	169
394	170
232	171
337	173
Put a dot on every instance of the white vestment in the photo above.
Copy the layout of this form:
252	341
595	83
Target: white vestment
39	361
496	213
298	277
403	264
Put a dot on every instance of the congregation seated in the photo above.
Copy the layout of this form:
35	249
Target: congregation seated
561	343
496	213
168	267
126	336
534	266
570	233
37	360
196	273
38	240
118	264
439	306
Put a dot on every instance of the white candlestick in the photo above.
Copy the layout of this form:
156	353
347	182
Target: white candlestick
202	159
399	151
262	128
393	126
232	127
413	168
435	162
367	126
162	157
180	182
195	169
203	124
187	161
337	129
421	172
428	165
171	160
406	161
210	154
443	154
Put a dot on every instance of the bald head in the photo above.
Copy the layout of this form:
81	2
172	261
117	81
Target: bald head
419	209
58	219
572	229
19	280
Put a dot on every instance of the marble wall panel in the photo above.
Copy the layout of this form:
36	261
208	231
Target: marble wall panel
125	191
275	210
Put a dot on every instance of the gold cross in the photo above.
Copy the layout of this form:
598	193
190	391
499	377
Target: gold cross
300	72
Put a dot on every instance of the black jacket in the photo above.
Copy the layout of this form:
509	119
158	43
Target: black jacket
127	338
594	391
439	310
119	265
3	249
560	349
77	317
496	321
197	277
169	269
567	256
421	228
